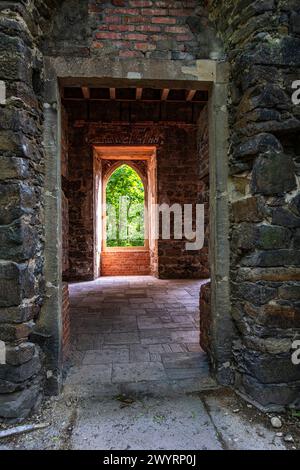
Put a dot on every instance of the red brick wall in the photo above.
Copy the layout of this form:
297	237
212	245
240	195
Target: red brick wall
125	263
181	177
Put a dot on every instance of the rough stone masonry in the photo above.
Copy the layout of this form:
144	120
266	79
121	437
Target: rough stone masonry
260	40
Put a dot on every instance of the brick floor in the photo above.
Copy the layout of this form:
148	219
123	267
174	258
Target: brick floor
136	332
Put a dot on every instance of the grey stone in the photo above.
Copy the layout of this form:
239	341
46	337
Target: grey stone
295	205
295	20
257	294
22	372
258	144
273	258
19	404
268	177
12	168
18	241
16	355
272	397
15	282
284	217
15	201
248	236
266	368
247	210
7	387
289	291
276	422
18	314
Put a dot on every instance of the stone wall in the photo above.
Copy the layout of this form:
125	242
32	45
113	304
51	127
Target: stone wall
124	29
263	45
21	208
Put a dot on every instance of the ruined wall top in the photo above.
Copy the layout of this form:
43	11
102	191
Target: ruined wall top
164	29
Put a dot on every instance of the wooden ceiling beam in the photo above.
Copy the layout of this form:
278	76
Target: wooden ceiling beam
138	95
112	93
164	94
190	94
86	92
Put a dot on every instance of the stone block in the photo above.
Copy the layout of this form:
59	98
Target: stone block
257	294
13	168
280	316
271	396
268	177
246	210
268	274
17	332
19	404
18	314
18	241
265	237
289	291
16	144
284	217
16	282
267	368
272	258
16	355
20	373
16	199
295	22
18	120
260	143
7	387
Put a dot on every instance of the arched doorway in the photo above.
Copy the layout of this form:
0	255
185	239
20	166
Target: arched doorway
125	210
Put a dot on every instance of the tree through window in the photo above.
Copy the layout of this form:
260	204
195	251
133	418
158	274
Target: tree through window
125	208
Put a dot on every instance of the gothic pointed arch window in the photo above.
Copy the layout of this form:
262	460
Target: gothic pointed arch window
125	208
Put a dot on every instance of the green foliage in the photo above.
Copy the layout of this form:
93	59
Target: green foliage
125	208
